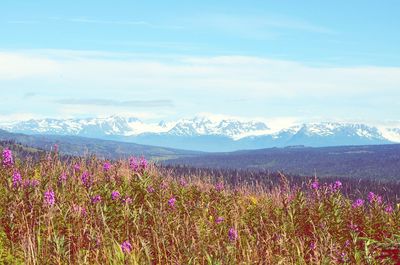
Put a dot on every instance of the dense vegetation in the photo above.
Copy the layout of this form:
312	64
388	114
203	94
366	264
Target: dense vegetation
267	180
91	211
360	162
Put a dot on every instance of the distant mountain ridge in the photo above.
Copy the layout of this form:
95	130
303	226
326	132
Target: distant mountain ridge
210	134
82	146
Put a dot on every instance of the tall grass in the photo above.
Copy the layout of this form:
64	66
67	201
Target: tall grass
90	211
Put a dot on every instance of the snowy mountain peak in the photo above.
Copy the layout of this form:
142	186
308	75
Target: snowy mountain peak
335	128
225	127
245	134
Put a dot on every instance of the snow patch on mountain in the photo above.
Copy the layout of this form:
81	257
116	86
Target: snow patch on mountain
392	134
204	125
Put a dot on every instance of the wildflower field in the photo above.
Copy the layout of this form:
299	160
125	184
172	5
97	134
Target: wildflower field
92	211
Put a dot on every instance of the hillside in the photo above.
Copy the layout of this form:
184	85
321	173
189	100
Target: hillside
78	146
22	151
374	162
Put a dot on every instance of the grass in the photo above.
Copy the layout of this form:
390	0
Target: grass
85	224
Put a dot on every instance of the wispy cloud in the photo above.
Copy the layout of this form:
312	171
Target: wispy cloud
29	95
116	103
143	23
112	22
255	26
22	21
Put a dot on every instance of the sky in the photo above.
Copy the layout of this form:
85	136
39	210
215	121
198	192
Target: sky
164	60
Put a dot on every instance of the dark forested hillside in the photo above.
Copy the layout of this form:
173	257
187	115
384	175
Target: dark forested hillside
374	162
79	146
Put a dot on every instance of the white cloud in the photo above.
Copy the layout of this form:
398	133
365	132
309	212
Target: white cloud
16	65
196	84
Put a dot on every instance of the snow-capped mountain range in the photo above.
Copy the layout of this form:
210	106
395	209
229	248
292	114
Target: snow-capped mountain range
210	133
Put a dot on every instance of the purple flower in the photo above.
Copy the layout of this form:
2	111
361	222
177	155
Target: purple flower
8	160
183	182
30	183
126	247
96	199
315	185
342	257
219	220
389	209
34	183
77	167
313	246
49	197
127	200
106	166
232	234
143	164
85	177
63	178
133	164
79	210
336	186
16	179
115	195
150	189
358	203
354	227
164	185
372	198
172	202
219	186
55	148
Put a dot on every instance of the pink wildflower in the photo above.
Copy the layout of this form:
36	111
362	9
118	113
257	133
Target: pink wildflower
358	203
49	198
77	167
127	200
219	186
106	166
315	185
85	177
373	198
133	164
8	160
313	246
126	247
115	195
16	179
219	220
232	234
171	202
63	178
96	199
143	164
389	209
183	182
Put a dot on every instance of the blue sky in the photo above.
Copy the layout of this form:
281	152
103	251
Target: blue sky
314	60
